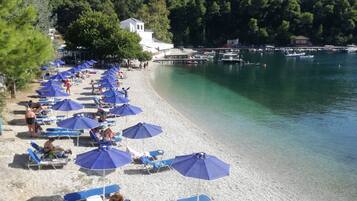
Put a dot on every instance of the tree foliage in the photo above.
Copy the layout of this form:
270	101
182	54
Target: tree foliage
23	48
212	22
101	37
155	15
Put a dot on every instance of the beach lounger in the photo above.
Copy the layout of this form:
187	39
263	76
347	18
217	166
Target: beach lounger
151	154
36	161
99	104
37	147
95	141
62	133
155	166
83	195
108	123
196	198
42	120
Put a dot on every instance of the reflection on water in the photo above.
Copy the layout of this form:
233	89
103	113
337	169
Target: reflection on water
304	110
290	86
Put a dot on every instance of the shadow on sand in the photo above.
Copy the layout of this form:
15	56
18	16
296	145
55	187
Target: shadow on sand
19	161
85	98
46	198
136	172
87	94
25	136
18	112
95	172
17	122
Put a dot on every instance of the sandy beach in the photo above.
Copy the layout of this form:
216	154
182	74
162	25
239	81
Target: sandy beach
180	137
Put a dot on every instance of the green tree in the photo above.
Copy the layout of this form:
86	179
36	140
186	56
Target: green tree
155	15
100	36
23	48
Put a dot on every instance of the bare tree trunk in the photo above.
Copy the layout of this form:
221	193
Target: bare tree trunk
13	89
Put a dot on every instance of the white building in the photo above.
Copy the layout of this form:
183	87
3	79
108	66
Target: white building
148	43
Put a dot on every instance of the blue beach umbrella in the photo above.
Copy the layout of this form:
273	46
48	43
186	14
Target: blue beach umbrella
58	76
51	83
52	87
53	93
112	92
109	85
78	122
108	80
116	99
141	131
201	166
67	105
125	110
103	158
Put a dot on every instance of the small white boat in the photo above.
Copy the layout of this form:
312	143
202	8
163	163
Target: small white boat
307	57
231	57
351	49
294	54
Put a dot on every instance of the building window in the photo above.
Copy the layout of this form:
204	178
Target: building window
137	27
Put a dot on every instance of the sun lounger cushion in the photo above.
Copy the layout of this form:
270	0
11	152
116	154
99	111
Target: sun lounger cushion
62	133
194	198
35	160
82	195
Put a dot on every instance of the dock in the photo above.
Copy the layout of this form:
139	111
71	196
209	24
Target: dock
181	60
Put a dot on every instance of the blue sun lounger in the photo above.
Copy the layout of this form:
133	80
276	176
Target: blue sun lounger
195	198
82	195
62	132
42	120
37	147
36	161
155	166
96	141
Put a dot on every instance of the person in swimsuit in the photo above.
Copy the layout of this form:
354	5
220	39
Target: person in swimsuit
52	151
68	87
116	197
30	118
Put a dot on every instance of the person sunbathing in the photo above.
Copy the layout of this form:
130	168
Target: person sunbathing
107	134
116	197
52	151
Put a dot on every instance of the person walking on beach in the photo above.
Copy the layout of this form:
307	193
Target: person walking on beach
125	91
68	86
93	88
30	118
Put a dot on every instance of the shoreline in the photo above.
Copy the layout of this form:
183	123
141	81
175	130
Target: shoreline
295	186
181	136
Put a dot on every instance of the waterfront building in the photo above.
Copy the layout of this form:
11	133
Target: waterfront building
148	42
300	41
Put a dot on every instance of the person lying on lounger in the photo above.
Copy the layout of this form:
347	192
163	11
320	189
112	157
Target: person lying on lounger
116	197
52	151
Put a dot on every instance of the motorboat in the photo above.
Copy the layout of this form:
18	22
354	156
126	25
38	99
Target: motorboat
351	49
307	56
295	54
231	57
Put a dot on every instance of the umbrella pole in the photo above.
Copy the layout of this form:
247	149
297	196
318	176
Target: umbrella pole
103	185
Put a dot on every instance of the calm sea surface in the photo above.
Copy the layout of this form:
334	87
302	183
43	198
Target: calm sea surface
296	117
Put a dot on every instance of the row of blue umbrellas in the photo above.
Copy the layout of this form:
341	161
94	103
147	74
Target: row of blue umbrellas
197	165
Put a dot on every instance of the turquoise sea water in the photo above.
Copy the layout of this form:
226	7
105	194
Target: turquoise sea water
296	118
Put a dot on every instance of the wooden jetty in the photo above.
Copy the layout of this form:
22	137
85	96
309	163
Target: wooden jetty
181	60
